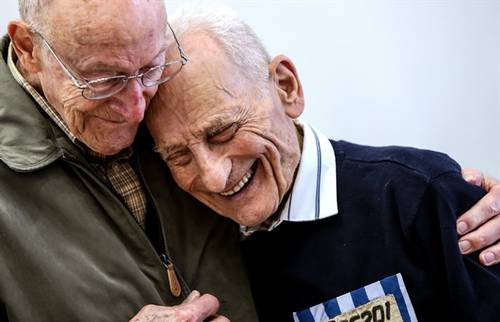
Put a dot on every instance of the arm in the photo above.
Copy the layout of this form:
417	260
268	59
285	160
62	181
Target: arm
480	225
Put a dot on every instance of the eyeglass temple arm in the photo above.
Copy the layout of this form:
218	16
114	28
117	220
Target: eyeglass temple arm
75	81
181	51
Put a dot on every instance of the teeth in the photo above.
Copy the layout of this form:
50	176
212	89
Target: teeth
237	187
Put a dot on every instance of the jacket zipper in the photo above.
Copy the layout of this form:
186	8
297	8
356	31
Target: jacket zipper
166	259
173	281
161	261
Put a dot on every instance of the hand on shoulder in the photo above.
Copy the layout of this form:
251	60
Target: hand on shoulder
479	227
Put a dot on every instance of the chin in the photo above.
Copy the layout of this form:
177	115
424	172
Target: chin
250	220
110	149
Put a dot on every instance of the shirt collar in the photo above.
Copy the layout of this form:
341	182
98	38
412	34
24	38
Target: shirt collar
313	195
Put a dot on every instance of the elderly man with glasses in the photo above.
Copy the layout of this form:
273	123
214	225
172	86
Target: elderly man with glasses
92	227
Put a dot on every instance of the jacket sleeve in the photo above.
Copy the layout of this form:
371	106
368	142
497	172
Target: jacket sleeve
467	285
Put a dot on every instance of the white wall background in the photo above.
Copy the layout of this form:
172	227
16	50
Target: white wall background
424	73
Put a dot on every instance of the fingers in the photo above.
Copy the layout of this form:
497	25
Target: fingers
477	178
473	176
491	255
191	297
484	210
198	309
195	308
152	313
489	183
484	236
219	318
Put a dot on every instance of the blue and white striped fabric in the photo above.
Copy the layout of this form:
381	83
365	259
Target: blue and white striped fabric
390	285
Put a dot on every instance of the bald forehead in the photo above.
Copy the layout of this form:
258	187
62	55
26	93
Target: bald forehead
95	21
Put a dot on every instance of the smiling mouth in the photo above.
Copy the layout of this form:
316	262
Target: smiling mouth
241	184
116	121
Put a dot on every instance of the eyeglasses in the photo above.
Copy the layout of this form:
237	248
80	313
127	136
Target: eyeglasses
105	87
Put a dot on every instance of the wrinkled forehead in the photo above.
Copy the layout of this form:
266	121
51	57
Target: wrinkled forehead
199	100
195	104
96	24
208	92
209	74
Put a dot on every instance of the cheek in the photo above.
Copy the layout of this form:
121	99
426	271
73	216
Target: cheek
66	98
63	95
56	86
77	106
247	144
74	110
183	177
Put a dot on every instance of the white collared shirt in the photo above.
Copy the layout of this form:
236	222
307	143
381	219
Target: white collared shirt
313	195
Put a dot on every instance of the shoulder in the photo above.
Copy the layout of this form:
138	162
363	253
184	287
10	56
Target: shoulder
424	163
414	185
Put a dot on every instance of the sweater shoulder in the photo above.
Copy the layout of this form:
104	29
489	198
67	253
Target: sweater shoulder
426	163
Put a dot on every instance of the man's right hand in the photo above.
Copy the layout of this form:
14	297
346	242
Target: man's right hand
195	308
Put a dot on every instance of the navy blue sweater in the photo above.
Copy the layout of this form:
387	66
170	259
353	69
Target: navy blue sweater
397	214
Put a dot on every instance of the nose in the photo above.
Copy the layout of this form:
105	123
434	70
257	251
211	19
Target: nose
132	101
213	169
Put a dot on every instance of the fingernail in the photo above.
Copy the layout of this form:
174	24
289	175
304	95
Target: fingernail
193	295
489	258
462	227
464	246
470	179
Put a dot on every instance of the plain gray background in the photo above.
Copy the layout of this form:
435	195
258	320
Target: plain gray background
406	72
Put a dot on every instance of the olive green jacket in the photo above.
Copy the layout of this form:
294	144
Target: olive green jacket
71	251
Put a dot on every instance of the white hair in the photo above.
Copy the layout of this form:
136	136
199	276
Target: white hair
236	38
31	12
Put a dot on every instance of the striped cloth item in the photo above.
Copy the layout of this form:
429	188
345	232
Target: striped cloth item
372	300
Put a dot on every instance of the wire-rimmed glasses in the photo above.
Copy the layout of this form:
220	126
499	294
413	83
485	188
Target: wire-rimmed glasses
105	87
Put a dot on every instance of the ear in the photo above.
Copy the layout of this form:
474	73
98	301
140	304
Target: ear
283	73
23	43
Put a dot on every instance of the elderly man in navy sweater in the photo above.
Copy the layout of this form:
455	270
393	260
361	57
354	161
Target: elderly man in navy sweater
332	230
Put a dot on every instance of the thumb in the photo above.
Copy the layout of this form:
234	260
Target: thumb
191	297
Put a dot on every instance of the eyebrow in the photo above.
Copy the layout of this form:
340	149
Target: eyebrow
233	114
169	149
105	67
214	124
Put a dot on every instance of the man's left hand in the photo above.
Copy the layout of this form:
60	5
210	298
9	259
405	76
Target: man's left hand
480	226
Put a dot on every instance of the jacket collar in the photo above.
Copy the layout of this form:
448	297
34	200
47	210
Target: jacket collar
28	140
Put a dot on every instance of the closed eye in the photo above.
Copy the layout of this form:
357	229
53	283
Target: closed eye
223	134
179	158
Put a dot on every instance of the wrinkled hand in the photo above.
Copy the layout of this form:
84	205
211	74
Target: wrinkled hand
195	308
480	226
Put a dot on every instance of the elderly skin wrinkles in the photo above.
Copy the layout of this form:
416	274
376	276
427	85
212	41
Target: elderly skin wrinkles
99	43
222	140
